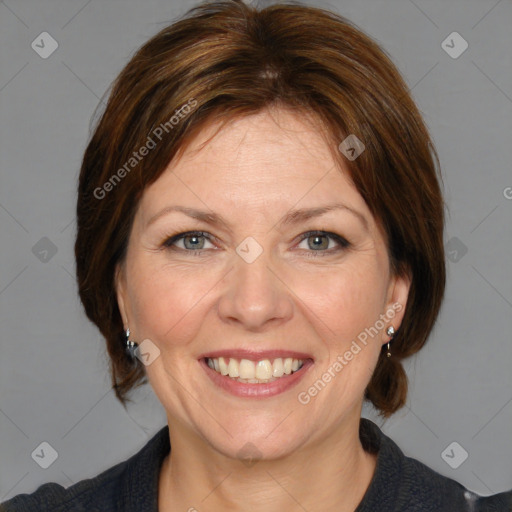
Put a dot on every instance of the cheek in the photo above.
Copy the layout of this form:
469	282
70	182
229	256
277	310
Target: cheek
346	300
166	303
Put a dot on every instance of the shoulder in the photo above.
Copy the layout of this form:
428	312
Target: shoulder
93	494
422	484
404	484
125	486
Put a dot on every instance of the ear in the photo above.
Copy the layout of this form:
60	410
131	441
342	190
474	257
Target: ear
120	286
398	293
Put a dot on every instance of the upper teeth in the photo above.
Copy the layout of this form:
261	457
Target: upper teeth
261	370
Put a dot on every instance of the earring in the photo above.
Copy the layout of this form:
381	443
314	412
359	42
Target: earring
130	345
390	331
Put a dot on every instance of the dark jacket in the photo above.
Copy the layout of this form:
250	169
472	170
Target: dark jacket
400	484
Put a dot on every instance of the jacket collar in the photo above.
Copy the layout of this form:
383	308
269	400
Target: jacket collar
139	488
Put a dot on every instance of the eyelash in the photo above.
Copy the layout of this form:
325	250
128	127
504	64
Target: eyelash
342	242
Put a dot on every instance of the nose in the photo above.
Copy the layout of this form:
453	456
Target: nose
255	296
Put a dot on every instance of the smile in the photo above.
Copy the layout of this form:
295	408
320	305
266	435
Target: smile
254	372
249	374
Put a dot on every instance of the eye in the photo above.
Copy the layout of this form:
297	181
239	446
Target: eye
315	241
320	241
191	241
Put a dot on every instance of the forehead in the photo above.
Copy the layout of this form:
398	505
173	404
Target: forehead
269	132
272	159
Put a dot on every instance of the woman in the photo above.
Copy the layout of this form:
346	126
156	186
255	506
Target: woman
260	234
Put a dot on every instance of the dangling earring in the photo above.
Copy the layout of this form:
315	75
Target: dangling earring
390	331
130	345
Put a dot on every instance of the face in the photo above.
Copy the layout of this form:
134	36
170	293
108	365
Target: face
289	264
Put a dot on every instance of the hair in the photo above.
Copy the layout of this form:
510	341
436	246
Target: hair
225	60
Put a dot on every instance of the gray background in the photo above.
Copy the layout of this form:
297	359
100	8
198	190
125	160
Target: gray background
53	367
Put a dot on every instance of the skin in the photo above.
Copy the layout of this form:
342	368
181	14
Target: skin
294	296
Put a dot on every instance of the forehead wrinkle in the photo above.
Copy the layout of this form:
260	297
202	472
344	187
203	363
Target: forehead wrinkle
291	218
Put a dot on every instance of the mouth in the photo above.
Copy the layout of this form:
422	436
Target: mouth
262	371
249	374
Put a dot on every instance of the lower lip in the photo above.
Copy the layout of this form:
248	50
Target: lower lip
264	390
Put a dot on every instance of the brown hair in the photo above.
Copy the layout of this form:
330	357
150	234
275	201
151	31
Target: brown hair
225	60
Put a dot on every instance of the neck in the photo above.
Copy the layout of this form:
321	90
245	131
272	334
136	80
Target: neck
331	476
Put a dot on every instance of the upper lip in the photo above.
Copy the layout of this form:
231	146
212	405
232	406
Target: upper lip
255	355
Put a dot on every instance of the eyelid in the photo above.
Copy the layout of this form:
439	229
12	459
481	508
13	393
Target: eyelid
170	240
342	242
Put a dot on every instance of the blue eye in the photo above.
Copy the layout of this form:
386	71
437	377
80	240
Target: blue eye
192	240
320	241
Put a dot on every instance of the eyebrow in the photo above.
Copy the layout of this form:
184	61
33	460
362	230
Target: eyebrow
291	218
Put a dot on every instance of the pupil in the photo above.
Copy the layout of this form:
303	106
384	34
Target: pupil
195	241
319	242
